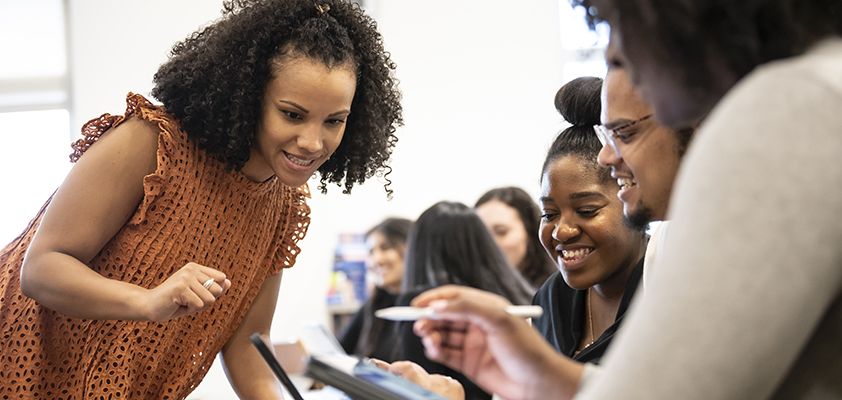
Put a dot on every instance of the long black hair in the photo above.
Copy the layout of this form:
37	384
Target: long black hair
214	81
536	265
449	244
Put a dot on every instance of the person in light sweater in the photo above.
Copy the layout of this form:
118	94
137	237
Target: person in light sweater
747	298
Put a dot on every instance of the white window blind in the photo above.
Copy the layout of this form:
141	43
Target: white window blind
34	109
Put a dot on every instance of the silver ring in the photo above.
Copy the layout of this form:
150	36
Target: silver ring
208	283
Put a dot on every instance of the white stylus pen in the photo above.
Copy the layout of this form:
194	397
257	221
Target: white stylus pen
414	313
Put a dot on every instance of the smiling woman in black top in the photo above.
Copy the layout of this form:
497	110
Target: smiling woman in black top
600	259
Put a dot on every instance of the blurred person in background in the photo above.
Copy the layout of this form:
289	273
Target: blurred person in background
449	245
513	218
367	335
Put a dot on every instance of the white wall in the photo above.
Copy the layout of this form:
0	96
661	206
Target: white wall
478	79
478	86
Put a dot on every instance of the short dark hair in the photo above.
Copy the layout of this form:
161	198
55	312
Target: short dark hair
449	244
536	265
370	342
214	81
578	101
746	33
395	230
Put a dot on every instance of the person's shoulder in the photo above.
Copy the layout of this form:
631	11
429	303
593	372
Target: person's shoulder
130	142
815	71
139	127
136	135
821	61
777	98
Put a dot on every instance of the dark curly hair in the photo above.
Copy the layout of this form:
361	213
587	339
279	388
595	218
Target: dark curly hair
746	33
214	81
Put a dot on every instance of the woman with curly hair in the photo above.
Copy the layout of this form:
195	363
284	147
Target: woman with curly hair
166	243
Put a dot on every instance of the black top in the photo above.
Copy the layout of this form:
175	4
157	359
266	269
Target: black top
564	316
383	334
413	350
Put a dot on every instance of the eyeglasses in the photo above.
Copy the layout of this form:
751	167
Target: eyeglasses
610	136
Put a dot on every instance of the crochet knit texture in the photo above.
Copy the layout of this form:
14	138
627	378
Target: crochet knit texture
193	210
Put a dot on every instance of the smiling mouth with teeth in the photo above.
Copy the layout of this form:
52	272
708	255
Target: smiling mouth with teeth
298	161
573	255
626	183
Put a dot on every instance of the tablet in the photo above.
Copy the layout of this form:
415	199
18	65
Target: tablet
319	341
362	380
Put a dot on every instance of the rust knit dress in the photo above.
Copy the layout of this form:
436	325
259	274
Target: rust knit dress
192	210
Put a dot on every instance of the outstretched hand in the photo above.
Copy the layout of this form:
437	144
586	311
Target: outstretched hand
500	352
191	289
439	384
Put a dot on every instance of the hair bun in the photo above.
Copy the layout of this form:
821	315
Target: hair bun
578	101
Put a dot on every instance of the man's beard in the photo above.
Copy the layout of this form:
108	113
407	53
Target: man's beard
639	218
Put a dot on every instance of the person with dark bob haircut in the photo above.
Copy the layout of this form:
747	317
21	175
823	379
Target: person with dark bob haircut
166	243
367	335
513	218
449	245
746	297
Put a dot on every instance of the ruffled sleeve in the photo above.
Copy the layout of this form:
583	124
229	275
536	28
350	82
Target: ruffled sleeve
93	129
293	230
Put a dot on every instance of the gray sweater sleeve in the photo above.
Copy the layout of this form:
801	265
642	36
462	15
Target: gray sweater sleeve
753	269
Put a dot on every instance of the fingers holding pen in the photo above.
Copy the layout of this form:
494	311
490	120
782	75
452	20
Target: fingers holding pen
443	341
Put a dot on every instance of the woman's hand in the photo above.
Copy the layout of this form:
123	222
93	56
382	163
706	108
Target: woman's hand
439	384
191	289
500	352
96	200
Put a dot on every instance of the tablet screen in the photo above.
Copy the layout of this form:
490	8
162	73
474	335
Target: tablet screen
318	341
392	382
361	380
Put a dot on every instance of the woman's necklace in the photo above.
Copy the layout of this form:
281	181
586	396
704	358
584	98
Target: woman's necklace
590	322
590	319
